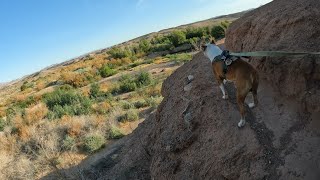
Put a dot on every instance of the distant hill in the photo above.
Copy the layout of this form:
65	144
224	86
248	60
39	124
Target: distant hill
207	22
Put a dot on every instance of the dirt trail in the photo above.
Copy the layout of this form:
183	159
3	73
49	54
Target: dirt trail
148	68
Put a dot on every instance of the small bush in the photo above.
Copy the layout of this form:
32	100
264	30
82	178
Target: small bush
66	102
140	104
197	32
115	133
127	87
131	115
35	114
26	103
76	79
94	90
26	85
127	84
143	79
153	101
162	47
68	143
126	105
102	108
179	58
93	143
2	124
144	46
107	71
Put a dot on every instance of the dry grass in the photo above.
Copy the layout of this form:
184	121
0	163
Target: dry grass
74	79
102	108
35	113
19	168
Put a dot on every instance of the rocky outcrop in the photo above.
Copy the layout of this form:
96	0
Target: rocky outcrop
284	26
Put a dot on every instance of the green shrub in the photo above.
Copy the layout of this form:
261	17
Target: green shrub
144	45
153	101
66	87
131	115
217	32
66	102
135	64
118	53
26	85
68	143
126	105
93	143
149	61
10	113
26	103
160	39
2	124
143	79
127	87
127	84
197	32
140	104
115	133
177	38
95	90
179	58
107	71
225	24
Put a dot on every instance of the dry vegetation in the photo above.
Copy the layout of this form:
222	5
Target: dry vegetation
55	118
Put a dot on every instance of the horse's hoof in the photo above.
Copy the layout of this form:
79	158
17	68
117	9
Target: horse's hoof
225	97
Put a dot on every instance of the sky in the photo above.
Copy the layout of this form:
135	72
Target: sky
35	34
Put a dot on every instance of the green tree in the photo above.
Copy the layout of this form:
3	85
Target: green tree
197	32
177	38
144	45
217	32
225	24
106	71
119	53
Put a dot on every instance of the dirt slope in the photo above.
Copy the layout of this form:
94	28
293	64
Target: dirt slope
194	135
284	26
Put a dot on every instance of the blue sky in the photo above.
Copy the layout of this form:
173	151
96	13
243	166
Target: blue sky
37	33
